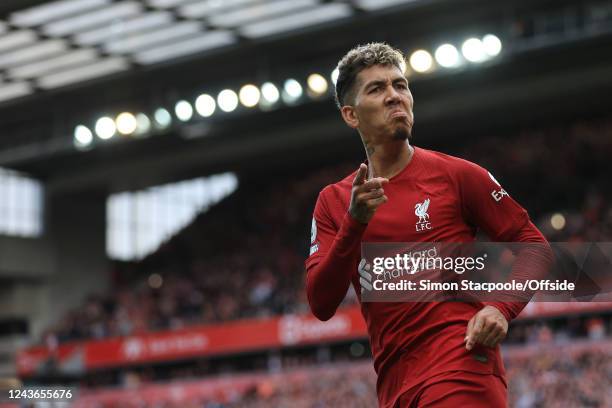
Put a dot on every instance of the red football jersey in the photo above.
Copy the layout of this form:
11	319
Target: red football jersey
413	341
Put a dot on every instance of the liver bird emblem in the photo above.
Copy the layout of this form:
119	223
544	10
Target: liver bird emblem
420	210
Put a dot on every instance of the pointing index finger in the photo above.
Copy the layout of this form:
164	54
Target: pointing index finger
361	175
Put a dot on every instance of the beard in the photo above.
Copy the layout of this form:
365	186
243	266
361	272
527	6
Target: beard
402	133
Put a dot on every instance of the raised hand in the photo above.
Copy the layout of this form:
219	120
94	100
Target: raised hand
366	195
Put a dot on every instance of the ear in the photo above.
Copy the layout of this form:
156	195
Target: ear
350	116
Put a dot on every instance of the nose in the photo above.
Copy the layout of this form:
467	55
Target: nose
392	96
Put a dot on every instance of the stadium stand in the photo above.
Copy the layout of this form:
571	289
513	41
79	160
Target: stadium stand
99	98
536	375
239	275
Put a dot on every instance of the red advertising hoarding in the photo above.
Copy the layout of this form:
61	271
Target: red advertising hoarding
195	341
229	338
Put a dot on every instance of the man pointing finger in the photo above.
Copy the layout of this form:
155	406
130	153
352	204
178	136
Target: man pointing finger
366	195
427	354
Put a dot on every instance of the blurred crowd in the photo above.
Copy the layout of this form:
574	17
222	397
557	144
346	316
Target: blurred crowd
561	378
539	376
538	379
336	387
244	257
560	330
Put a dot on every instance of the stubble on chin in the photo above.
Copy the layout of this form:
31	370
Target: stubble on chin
402	133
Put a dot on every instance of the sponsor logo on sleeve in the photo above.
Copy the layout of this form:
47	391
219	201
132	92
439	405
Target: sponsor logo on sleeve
497	194
314	247
313	231
494	179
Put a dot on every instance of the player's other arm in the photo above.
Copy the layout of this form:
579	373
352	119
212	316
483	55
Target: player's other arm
334	253
487	205
532	261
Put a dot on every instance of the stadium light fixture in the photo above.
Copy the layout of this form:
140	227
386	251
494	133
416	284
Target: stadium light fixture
183	111
38	50
81	73
163	4
557	221
162	118
17	39
447	56
227	100
203	8
371	5
67	60
38	15
147	39
258	11
105	128
126	123
317	84
197	43
124	27
292	91
143	124
205	105
93	18
14	90
270	94
83	137
421	61
473	50
249	95
302	18
492	45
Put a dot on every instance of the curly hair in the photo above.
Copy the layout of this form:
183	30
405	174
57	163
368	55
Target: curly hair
359	58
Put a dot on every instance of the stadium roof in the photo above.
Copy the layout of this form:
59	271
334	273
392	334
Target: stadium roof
69	61
59	43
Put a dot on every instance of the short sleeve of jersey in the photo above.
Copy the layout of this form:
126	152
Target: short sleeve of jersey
486	205
323	231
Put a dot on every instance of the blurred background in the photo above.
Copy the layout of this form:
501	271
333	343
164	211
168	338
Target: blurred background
160	161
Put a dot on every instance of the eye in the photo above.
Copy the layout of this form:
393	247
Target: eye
402	85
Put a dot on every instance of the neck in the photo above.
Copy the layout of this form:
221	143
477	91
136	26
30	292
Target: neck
388	159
